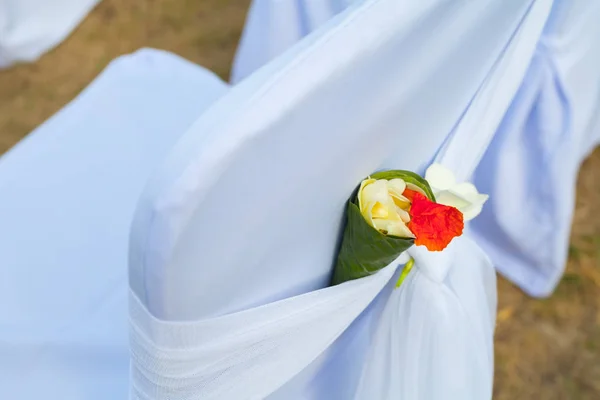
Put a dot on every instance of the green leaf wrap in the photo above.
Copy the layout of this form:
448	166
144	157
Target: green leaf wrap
365	250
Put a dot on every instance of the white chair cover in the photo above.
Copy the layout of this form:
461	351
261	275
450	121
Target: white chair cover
29	28
232	304
68	195
551	126
531	168
273	26
432	337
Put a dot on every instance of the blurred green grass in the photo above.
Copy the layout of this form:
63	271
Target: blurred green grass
545	349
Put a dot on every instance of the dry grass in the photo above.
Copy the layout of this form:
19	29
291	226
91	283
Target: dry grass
545	349
203	31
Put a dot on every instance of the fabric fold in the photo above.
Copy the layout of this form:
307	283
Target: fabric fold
248	354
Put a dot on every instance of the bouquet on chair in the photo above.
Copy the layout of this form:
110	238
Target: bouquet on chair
393	210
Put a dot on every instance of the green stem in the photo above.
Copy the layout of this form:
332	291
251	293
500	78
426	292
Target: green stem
407	268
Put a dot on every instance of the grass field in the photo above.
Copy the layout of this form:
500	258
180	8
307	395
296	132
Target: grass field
545	349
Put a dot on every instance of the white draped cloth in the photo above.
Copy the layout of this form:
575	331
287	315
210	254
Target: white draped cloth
237	196
235	304
531	168
551	126
29	28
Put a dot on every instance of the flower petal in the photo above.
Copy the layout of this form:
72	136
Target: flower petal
465	189
379	210
439	177
472	211
404	215
393	228
434	225
361	199
396	186
410	194
449	198
415	188
465	197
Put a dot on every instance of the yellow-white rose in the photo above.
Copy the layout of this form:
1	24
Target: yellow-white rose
384	207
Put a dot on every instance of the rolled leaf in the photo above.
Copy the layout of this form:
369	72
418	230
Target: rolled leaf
364	250
408	177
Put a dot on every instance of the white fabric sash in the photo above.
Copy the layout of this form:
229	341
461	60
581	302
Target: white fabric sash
245	355
437	330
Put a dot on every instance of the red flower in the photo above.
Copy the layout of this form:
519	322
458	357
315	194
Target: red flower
434	225
409	194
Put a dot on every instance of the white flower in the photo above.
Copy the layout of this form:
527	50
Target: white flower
384	207
463	196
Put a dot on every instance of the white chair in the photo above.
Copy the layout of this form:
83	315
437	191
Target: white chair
550	127
225	301
68	192
273	26
235	235
29	28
